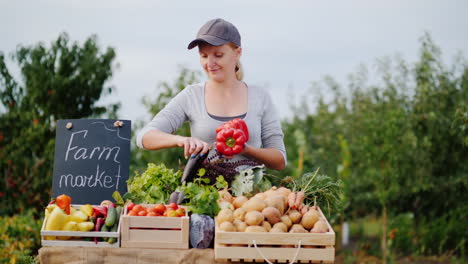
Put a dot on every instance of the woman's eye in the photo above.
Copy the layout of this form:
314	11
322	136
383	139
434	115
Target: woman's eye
218	55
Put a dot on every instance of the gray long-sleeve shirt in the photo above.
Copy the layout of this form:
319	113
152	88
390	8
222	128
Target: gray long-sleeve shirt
189	105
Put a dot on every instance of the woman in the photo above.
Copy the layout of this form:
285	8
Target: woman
222	98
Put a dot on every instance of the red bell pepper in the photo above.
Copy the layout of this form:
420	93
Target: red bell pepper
230	141
236	123
100	211
63	202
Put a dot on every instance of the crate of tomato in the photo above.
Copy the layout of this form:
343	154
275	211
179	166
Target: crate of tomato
155	226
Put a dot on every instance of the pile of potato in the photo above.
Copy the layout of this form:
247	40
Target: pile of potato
277	210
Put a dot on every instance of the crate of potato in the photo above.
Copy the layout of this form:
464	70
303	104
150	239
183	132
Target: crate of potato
83	226
267	227
155	226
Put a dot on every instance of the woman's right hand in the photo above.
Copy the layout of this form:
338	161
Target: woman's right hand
193	146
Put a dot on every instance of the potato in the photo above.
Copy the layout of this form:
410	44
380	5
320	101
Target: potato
254	204
239	201
295	216
224	195
255	229
262	196
281	226
276	230
287	221
271	192
266	225
309	219
239	213
276	201
227	227
297	228
240	225
320	227
272	214
225	215
284	191
254	218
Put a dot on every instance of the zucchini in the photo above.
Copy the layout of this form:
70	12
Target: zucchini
111	216
112	240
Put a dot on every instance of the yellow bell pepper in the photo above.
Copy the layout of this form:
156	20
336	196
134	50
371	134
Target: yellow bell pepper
69	226
55	220
85	226
87	209
77	216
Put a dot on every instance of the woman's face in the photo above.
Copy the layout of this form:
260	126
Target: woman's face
219	62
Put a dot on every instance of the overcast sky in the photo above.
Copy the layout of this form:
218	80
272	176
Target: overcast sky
286	44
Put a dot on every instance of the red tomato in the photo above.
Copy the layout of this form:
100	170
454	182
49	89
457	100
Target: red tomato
172	213
173	206
137	208
142	213
152	214
130	206
180	211
160	209
132	213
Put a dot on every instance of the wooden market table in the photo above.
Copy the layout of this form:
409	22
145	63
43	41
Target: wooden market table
91	255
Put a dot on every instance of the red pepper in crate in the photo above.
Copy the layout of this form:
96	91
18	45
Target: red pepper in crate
230	141
100	211
63	202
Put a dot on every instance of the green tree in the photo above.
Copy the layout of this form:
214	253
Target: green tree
62	81
407	136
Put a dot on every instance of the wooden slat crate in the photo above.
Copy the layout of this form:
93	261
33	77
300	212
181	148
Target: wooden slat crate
80	238
155	231
276	247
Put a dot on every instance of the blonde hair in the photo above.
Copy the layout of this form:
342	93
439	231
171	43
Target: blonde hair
239	69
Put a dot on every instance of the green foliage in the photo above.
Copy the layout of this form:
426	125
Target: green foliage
430	236
399	145
62	81
202	197
20	237
319	189
166	91
154	185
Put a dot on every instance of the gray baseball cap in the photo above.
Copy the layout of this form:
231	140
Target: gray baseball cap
217	32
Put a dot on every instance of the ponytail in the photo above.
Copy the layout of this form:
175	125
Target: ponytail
239	71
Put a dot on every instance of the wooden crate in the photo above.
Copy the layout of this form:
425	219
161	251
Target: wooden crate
276	247
155	231
79	239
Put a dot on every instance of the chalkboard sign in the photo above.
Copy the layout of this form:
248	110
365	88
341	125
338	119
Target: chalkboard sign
92	159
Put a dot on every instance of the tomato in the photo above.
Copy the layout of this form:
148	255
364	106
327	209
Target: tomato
130	206
160	209
142	213
152	214
132	213
172	213
180	211
173	206
137	208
